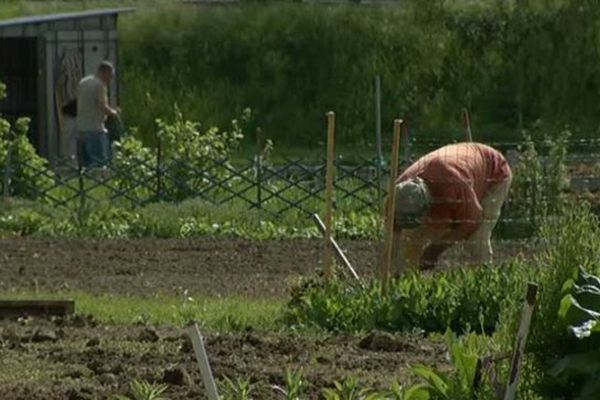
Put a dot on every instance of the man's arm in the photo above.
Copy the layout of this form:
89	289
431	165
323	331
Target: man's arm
108	110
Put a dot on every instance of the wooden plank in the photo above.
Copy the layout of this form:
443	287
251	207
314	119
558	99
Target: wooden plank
18	308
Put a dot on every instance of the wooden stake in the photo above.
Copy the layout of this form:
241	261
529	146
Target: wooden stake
327	253
338	250
390	208
517	358
202	358
467	124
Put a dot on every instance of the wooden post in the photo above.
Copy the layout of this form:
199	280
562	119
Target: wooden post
327	253
390	208
467	124
517	357
202	358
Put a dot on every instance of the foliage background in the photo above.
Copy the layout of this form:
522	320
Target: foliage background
513	67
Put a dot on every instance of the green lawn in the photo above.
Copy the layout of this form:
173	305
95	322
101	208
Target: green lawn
215	314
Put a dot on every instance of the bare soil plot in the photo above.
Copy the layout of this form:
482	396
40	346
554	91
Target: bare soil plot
79	359
206	266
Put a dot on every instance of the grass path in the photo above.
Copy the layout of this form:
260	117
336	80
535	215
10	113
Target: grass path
215	314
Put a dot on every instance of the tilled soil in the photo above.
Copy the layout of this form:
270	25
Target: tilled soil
204	266
77	359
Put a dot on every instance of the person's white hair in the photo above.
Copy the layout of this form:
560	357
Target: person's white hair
413	201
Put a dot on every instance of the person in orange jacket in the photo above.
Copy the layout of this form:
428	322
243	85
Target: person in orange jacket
450	195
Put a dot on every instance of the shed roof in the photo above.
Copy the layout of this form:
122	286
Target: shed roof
40	19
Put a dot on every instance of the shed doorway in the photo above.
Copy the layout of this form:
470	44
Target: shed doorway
19	65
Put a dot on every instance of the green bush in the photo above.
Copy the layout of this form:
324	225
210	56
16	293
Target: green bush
29	174
136	168
192	158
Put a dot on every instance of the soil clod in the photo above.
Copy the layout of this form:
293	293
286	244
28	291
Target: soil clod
383	341
149	334
177	375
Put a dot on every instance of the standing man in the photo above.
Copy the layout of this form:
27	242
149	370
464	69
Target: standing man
92	110
450	195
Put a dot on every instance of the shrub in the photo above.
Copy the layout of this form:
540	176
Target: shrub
136	169
538	187
29	174
192	159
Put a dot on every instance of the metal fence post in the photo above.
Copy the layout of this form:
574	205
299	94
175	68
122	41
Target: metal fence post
81	193
467	125
258	169
378	135
7	166
159	182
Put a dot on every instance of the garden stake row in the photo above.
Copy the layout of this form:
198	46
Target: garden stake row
390	209
508	391
338	250
202	358
327	252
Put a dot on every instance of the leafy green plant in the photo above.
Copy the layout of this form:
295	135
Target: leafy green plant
459	299
143	390
578	370
571	241
415	392
457	383
238	389
295	385
349	389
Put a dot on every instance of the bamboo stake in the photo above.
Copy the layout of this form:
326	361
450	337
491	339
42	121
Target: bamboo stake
390	209
327	252
467	124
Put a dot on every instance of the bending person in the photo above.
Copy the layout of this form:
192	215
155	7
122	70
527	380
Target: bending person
450	195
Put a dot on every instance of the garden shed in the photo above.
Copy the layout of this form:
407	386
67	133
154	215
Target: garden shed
42	58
